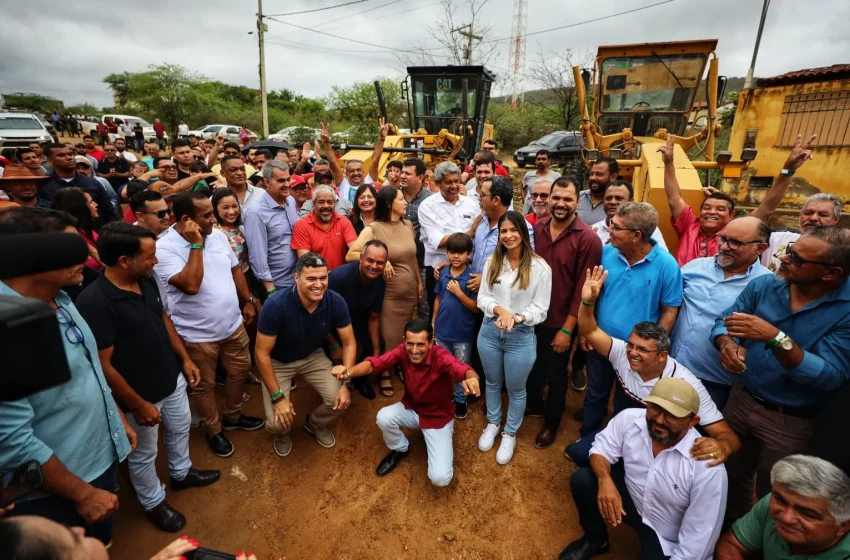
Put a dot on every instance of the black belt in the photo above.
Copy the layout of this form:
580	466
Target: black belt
797	411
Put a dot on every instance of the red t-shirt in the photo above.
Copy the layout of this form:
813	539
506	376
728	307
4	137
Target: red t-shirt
531	218
427	386
158	129
693	244
129	217
97	154
331	244
102	130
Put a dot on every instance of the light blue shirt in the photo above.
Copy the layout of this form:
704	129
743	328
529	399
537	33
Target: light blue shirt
706	294
636	293
821	329
77	421
485	240
268	233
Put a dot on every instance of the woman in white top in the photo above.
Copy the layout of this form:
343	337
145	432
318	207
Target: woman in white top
516	285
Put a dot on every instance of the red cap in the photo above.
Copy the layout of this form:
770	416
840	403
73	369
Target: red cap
296	180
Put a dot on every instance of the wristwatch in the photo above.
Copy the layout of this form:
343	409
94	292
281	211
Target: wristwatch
252	300
346	384
781	340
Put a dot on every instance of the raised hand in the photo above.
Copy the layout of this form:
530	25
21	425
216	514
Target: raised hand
800	153
384	129
325	135
192	233
666	150
593	284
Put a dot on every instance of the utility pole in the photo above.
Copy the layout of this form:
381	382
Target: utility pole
261	30
749	81
466	31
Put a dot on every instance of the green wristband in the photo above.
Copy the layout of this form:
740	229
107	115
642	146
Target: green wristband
586	304
566	332
276	394
196	246
335	347
270	292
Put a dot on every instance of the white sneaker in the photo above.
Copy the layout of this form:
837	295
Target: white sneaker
506	449
488	437
196	420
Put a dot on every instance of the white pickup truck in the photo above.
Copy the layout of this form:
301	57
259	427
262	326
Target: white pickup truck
91	127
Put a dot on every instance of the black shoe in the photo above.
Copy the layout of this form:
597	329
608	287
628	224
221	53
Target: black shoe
220	445
365	389
570	449
579	415
582	549
461	410
247	423
389	462
195	479
166	518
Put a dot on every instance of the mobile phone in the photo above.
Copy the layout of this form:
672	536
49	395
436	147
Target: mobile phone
21	482
207	554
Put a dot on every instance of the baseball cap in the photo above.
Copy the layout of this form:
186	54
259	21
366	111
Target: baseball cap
296	180
676	396
82	159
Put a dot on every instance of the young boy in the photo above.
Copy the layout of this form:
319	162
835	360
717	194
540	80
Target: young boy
454	309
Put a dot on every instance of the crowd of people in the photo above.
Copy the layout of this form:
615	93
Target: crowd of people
728	360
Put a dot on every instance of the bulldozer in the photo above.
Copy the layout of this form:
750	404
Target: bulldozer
634	96
447	112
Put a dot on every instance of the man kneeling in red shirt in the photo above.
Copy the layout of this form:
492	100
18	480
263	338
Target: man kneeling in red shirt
429	371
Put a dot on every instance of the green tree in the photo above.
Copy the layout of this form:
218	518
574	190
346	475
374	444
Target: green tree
83	109
358	103
33	102
120	86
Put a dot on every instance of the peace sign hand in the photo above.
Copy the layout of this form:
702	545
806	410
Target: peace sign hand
385	128
800	152
667	149
325	134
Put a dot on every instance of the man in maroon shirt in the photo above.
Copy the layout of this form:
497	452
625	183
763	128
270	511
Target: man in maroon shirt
429	371
570	247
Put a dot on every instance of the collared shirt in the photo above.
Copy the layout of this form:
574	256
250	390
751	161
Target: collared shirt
532	302
268	232
683	500
635	293
438	218
454	322
363	300
756	532
569	256
601	229
427	386
76	421
342	207
91	186
213	313
637	389
132	323
347	190
693	243
485	240
587	211
120	165
413	215
821	329
706	293
252	195
332	243
298	331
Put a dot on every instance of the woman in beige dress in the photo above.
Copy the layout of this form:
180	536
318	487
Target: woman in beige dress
404	283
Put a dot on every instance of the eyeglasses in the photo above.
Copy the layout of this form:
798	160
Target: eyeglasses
167	167
541	196
73	333
300	188
797	260
734	243
160	213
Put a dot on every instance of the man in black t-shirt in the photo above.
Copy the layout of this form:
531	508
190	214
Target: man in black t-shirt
114	169
361	284
139	349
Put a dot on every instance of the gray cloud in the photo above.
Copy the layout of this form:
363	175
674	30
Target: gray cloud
64	49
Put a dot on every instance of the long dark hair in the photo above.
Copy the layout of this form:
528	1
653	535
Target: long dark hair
216	198
355	212
73	201
384	204
500	254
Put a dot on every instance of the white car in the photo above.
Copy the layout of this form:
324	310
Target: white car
90	125
287	133
229	131
18	130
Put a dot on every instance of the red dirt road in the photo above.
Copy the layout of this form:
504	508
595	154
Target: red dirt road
328	503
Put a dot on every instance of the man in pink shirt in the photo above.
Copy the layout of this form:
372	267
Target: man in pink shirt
696	233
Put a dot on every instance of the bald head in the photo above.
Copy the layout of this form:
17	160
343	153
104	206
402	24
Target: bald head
741	243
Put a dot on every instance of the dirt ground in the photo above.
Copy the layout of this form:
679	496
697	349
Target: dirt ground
328	503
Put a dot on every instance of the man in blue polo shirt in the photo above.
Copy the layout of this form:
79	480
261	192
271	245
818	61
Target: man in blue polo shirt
292	327
644	284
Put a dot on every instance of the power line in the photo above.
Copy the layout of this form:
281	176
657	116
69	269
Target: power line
317	9
355	14
343	38
304	45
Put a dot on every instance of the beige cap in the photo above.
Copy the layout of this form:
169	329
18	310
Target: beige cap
82	159
676	396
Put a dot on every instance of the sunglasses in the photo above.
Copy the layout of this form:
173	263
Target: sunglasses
167	167
161	214
300	188
733	244
798	261
541	196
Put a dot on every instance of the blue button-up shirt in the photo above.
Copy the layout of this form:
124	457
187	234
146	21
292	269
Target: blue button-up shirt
76	421
485	240
706	294
268	233
821	329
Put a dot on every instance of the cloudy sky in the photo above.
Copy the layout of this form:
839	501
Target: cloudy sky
64	49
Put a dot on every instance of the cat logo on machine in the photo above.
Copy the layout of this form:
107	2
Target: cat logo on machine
444	84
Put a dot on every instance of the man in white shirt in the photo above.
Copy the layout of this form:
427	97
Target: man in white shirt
542	162
483	170
618	192
440	216
642	473
204	286
121	146
183	130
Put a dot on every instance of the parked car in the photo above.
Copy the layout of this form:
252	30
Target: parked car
293	134
21	129
229	131
90	125
49	126
564	147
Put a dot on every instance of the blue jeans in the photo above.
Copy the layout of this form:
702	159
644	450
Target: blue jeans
176	418
600	379
438	441
507	358
463	352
